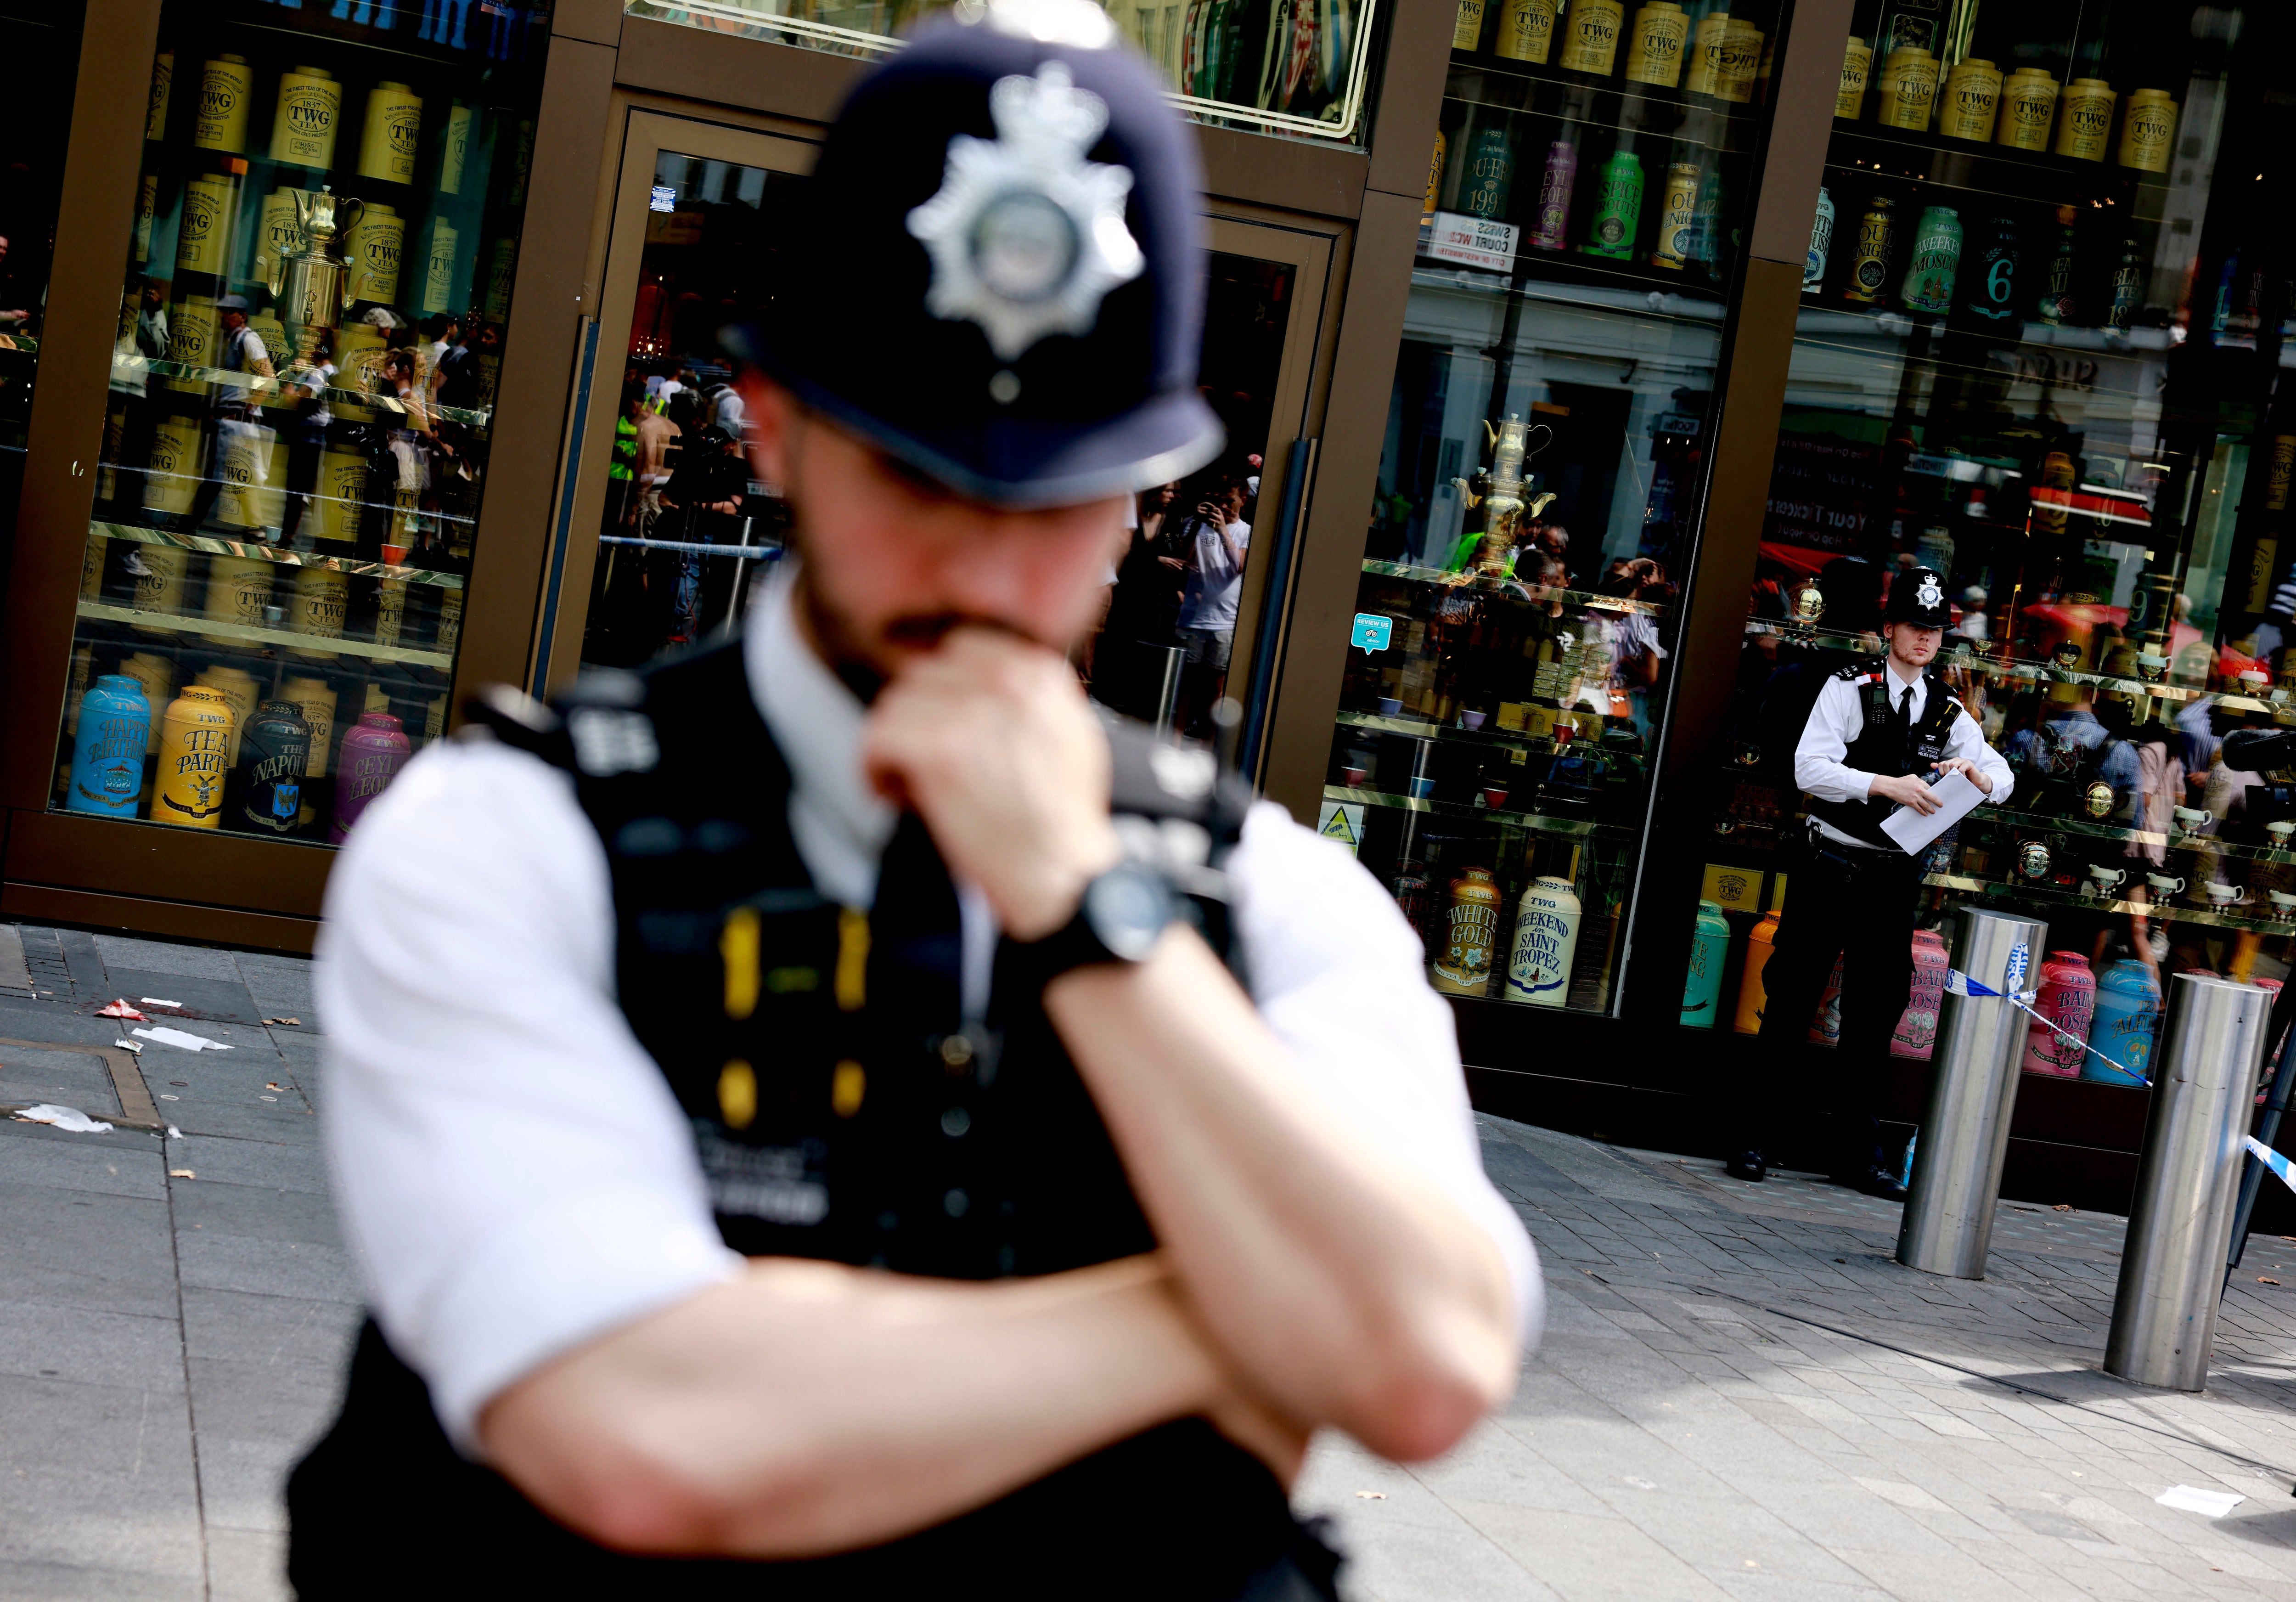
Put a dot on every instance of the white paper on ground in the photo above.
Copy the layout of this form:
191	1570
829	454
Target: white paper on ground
177	1037
64	1117
2216	1504
157	1001
1957	799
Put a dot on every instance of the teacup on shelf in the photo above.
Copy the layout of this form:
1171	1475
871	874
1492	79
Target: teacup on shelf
2104	881
2221	894
2190	818
2284	903
2282	829
2165	885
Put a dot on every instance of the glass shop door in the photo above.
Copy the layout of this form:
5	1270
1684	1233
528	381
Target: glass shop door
669	534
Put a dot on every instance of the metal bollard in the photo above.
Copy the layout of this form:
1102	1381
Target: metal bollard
2164	1316
1964	1135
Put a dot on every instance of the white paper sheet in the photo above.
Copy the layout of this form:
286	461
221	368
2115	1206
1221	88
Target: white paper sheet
2191	1499
1957	799
180	1038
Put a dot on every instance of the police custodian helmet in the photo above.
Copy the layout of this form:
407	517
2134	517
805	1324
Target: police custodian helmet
998	278
1917	596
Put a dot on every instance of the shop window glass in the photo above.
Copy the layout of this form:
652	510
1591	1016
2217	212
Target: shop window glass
43	50
1295	66
303	382
2044	348
687	531
1539	489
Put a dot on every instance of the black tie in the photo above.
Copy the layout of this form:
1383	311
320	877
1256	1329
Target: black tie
1905	709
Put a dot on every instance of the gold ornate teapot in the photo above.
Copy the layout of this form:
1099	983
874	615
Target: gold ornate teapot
312	289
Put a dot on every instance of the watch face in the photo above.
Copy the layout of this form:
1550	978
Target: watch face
1129	910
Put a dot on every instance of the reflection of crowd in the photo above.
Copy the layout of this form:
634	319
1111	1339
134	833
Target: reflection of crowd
679	476
422	454
1165	644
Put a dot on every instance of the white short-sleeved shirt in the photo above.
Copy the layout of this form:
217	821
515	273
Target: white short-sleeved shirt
512	1171
1838	718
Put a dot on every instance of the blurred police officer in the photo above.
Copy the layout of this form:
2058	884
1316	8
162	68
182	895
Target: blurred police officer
1878	735
781	1108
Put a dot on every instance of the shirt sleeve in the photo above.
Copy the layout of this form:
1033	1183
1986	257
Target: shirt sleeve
513	1172
1967	742
1336	974
1818	767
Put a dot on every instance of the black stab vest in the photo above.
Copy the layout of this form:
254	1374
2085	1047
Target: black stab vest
843	1108
1880	748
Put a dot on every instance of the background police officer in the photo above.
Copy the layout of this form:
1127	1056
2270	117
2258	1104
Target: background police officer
779	1109
1877	735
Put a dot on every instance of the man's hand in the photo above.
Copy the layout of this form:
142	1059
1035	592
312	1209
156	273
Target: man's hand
991	742
1962	765
1904	789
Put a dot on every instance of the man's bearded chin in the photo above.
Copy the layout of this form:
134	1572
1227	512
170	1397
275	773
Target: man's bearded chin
850	658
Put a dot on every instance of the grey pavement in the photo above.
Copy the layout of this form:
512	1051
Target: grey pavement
176	1307
1740	1394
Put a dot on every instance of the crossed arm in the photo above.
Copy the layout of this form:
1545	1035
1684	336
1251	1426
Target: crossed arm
1302	1281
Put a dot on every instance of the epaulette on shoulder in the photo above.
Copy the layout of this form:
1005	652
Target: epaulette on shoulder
1858	673
598	728
505	712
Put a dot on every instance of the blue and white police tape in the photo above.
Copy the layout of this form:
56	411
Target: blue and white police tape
1958	983
2272	1160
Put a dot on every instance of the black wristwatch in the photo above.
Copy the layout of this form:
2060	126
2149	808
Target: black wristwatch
1121	916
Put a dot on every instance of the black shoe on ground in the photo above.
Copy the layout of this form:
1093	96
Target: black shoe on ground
1747	1165
1879	1181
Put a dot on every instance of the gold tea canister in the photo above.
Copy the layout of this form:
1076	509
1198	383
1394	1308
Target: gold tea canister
393	134
253	470
494	300
191	338
373	250
1741	61
439	266
147	206
160	587
239	592
157	675
1972	95
1654	47
303	129
278	237
1704	76
2084	130
1590	35
390	611
195	739
454	145
163	85
1908	87
1525	31
225	86
91	567
238	688
2148	131
316	607
1467	27
2028	104
1856	66
203	236
339	494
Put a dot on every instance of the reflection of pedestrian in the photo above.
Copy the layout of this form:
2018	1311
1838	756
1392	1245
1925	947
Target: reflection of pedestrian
705	491
231	403
1205	625
307	383
1145	609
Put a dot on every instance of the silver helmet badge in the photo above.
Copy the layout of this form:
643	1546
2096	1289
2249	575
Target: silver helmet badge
1026	235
